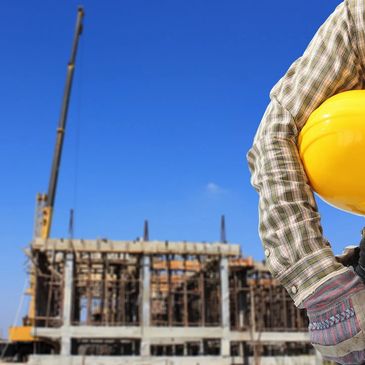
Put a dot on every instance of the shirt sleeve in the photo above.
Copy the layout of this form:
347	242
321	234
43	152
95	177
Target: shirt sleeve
296	252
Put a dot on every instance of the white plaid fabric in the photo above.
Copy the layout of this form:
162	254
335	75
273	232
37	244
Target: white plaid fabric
297	254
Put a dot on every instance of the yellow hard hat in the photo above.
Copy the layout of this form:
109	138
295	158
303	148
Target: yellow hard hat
332	149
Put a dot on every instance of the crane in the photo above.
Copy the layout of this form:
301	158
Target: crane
45	202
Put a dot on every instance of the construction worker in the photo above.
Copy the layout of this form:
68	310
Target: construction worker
296	252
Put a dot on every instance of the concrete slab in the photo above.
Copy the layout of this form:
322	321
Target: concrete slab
127	360
172	333
188	360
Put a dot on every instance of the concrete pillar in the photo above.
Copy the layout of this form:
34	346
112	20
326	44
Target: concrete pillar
318	358
146	312
65	345
224	275
67	304
240	350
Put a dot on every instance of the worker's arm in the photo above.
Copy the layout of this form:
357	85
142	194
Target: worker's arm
296	251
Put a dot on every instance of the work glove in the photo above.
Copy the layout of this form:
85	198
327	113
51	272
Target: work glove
350	256
336	312
355	256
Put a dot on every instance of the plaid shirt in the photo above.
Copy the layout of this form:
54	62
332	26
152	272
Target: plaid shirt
296	251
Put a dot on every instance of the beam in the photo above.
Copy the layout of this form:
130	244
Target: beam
169	333
137	247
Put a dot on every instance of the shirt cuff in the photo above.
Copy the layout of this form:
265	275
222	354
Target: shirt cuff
310	272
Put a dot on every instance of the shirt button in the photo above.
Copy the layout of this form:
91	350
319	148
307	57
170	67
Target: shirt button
267	252
294	289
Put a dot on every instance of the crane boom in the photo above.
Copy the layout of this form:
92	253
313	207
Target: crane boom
47	212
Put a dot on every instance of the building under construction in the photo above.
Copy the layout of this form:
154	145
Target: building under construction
149	302
156	302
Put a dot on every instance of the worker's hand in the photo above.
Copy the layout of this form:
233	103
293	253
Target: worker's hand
350	256
336	312
355	256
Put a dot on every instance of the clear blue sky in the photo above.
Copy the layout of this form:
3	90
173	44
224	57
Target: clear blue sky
166	100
